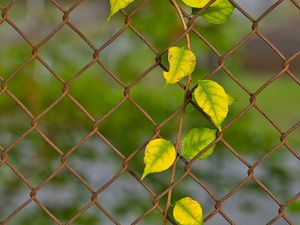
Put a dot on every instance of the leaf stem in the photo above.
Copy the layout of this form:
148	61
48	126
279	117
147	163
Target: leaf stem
172	176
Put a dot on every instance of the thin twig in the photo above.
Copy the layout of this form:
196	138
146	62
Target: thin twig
172	176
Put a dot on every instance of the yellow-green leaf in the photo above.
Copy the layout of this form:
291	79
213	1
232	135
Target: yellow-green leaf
160	154
116	5
212	99
188	212
196	3
196	140
218	12
182	63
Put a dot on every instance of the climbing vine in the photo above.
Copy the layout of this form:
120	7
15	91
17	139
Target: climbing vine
161	154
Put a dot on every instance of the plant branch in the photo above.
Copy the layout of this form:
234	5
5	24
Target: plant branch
172	176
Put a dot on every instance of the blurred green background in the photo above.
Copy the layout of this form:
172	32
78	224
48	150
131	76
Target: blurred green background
127	128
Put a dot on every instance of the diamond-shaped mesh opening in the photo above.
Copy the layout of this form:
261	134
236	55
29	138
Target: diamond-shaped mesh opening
255	141
96	91
246	204
156	34
129	192
122	61
71	50
87	16
153	104
71	199
64	134
207	58
14	191
275	171
210	171
114	126
254	58
32	152
35	20
95	161
197	191
288	98
35	76
276	27
230	37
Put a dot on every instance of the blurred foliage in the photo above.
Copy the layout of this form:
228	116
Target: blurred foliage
127	128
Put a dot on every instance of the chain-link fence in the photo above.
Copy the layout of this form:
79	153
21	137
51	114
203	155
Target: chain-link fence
157	198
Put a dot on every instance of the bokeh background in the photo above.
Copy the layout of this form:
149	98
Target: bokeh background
128	57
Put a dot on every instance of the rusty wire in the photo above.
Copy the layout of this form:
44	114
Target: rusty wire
65	84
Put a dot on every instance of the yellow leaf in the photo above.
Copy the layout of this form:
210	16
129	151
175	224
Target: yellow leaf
188	212
182	63
116	5
212	99
196	3
160	154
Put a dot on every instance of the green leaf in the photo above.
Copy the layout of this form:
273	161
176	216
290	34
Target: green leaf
217	13
182	63
160	154
213	100
196	3
188	212
116	5
294	208
196	140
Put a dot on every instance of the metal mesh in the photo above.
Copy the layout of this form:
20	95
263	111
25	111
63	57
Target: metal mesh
157	197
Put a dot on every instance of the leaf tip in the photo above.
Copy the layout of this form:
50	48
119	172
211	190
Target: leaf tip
145	173
110	15
219	126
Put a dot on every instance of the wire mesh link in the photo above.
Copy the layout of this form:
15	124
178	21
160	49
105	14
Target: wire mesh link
96	122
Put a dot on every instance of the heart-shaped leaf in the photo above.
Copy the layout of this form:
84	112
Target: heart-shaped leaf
182	63
196	140
188	212
116	5
160	154
217	13
212	99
